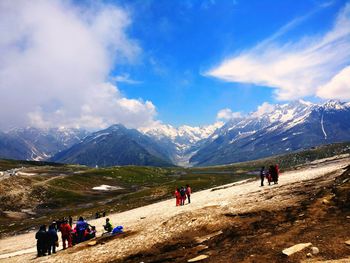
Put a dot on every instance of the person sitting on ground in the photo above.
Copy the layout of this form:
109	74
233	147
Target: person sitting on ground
52	239
108	226
188	193
92	233
81	226
117	230
42	241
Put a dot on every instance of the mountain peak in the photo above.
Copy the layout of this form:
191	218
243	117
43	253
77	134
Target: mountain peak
334	104
116	127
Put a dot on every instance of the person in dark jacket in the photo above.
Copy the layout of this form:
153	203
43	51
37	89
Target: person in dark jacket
188	193
262	175
108	226
70	219
81	226
52	239
42	241
183	195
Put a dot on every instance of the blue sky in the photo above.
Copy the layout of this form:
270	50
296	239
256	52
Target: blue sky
181	40
142	63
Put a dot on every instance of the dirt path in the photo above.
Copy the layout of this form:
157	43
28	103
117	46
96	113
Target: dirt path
156	223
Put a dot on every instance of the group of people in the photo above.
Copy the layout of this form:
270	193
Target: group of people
47	241
271	174
181	194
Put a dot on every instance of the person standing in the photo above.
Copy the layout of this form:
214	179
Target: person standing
70	218
52	239
262	175
81	226
177	196
66	232
188	193
42	241
277	169
183	195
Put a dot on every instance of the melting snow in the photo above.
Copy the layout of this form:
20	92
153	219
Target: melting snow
324	132
105	187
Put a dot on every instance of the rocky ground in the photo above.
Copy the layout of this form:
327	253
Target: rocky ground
239	222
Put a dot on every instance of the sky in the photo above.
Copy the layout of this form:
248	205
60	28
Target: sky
143	63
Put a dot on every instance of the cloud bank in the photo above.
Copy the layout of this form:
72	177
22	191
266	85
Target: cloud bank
314	65
55	59
227	114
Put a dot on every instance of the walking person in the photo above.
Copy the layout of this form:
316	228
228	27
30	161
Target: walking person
66	232
188	193
262	175
52	239
42	241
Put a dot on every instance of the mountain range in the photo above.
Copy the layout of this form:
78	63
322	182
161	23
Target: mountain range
276	130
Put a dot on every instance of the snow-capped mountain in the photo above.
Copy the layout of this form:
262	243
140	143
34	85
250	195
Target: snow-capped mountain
283	128
37	144
180	143
274	129
116	145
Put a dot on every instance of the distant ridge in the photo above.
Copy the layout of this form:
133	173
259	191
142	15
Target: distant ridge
115	145
282	129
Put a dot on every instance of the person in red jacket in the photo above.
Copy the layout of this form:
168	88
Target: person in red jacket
188	193
177	196
66	234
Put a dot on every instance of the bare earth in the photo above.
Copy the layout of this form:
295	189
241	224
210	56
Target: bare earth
239	222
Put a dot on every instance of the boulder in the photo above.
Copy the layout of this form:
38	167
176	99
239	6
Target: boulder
92	243
296	248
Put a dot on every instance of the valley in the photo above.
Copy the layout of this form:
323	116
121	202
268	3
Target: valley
236	222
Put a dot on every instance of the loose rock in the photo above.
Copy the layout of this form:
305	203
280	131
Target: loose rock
325	202
296	248
92	243
199	258
347	242
315	250
309	255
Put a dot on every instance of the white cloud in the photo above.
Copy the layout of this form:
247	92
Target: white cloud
55	58
227	114
124	78
338	87
263	109
295	69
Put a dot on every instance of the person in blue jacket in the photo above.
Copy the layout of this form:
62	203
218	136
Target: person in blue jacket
81	226
52	239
